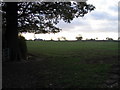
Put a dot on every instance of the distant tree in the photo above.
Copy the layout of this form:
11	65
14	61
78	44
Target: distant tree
58	39
51	39
92	39
118	38
79	37
107	38
64	38
96	38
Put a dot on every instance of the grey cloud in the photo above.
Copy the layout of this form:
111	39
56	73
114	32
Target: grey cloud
73	24
110	26
103	16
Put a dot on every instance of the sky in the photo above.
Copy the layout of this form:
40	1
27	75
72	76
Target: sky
100	23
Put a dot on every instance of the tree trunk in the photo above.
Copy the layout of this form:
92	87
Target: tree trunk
11	30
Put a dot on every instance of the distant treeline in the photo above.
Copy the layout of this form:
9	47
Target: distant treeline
76	40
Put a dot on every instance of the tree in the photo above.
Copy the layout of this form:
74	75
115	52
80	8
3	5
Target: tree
96	38
37	17
41	17
51	39
92	39
64	38
107	38
79	37
11	34
58	39
118	38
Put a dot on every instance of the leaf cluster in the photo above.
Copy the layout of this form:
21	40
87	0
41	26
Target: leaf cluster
42	17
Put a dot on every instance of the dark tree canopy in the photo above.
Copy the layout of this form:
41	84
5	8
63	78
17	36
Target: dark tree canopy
42	17
36	17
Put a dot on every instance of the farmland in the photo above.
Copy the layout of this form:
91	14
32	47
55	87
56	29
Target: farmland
75	50
75	64
63	65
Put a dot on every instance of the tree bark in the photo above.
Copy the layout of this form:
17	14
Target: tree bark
11	30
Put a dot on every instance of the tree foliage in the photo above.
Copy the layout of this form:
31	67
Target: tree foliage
108	38
64	38
118	38
79	37
42	17
36	17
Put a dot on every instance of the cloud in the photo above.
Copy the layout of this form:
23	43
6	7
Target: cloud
103	16
102	22
75	23
114	8
103	19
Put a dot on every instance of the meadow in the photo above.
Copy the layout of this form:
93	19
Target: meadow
73	64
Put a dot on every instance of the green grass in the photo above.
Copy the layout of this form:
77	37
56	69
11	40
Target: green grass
73	64
72	48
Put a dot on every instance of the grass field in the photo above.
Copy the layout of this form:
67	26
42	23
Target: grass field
73	64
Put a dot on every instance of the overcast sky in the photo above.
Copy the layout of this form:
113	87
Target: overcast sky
101	23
